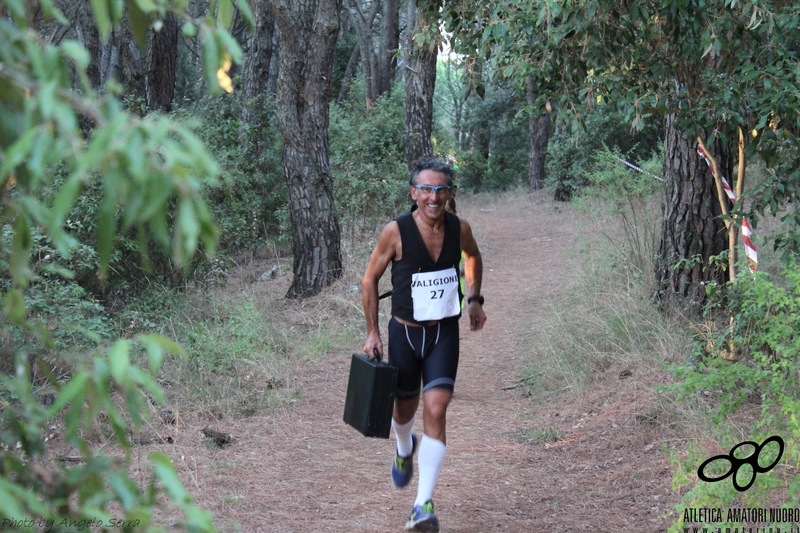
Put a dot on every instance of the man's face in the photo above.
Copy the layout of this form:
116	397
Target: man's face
431	204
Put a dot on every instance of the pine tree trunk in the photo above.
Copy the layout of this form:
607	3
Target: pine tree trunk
539	128
349	72
420	73
307	30
162	66
259	56
89	37
691	232
130	68
389	43
539	131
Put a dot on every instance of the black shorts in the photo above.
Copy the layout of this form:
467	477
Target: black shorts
427	352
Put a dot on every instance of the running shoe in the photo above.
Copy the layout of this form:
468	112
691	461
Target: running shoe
403	467
423	519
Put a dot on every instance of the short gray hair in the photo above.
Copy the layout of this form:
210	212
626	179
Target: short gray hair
431	163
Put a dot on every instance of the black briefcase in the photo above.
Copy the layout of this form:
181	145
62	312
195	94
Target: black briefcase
370	396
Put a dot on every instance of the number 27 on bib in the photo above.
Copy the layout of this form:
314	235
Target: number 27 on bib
435	294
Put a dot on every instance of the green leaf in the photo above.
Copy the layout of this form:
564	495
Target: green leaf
138	24
14	307
41	152
247	14
117	10
147	6
230	45
188	231
10	501
69	392
211	60
225	13
20	252
165	472
119	359
125	488
17	153
101	17
138	376
65	199
17	8
155	346
77	53
189	30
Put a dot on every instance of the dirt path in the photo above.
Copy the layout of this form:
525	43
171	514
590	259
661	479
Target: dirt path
303	470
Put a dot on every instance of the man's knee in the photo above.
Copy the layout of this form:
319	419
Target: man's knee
404	409
435	403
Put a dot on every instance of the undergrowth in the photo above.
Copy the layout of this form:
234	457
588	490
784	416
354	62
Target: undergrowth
745	361
607	320
729	378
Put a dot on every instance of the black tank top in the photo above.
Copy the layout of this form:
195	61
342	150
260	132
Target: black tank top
417	259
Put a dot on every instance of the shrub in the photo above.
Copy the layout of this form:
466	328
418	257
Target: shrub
370	179
747	364
629	197
572	150
249	203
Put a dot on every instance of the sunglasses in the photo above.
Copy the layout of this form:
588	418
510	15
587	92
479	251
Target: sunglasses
433	189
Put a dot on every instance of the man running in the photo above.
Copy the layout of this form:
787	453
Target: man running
424	247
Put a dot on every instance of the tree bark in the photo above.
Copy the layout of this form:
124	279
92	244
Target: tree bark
539	131
362	22
130	67
691	230
259	56
377	47
162	66
349	71
89	37
420	73
389	43
539	128
307	31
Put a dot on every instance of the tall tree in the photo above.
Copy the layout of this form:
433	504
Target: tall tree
539	131
388	44
257	74
89	38
376	25
162	64
711	67
451	94
690	226
307	31
422	48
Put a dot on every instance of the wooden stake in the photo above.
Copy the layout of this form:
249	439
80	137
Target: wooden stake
723	203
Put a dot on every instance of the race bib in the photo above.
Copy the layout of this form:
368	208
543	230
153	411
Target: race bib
435	294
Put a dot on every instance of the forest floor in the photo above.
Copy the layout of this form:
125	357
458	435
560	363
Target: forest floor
298	468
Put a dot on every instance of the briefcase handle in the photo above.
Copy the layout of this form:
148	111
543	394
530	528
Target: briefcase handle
377	354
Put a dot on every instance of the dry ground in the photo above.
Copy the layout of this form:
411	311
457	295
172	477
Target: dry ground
300	469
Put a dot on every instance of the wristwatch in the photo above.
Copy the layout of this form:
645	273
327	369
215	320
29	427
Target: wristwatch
475	298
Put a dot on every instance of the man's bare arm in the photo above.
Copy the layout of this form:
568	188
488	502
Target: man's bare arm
473	272
383	253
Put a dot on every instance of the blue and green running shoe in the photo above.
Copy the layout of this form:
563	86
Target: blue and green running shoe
403	467
423	519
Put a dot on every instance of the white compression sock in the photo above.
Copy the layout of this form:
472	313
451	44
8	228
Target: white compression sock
430	459
403	434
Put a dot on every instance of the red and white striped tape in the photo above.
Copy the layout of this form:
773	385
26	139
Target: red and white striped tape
749	248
